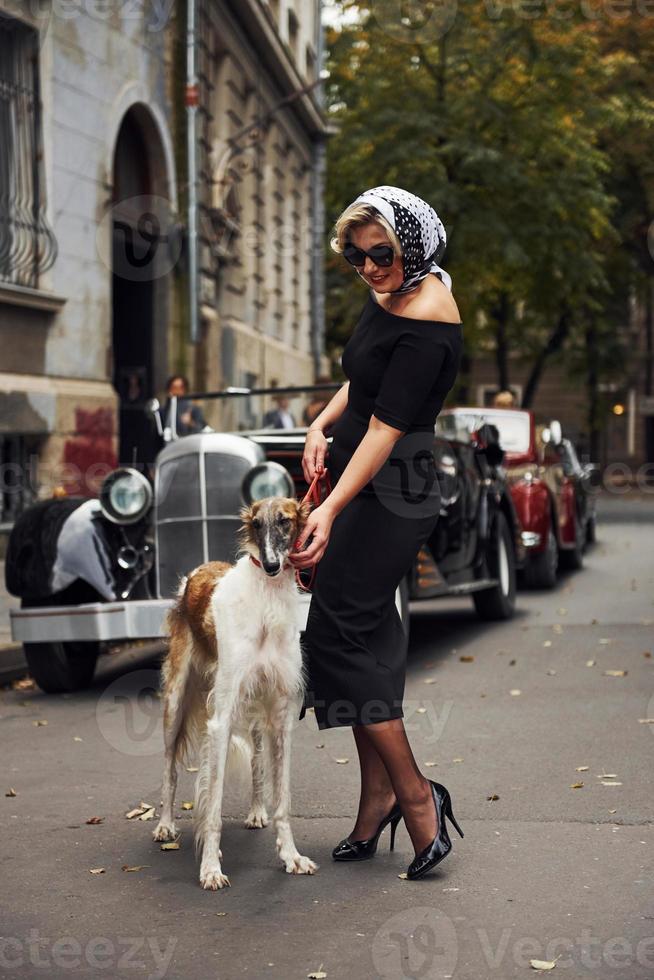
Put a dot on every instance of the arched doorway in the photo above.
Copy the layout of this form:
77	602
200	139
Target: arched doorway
141	267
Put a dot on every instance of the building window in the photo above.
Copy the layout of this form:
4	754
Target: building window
27	244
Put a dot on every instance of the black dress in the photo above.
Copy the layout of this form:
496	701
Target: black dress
400	369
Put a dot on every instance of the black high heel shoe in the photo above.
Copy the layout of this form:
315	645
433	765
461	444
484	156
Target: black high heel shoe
441	845
361	850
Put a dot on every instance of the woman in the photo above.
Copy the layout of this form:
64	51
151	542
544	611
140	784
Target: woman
401	361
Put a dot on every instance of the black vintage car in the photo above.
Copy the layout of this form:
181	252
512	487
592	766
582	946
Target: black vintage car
91	572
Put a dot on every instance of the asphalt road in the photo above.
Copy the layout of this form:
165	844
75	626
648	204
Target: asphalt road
545	871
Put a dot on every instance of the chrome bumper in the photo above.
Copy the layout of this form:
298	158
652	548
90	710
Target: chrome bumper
137	620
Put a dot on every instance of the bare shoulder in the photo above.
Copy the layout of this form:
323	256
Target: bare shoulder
433	301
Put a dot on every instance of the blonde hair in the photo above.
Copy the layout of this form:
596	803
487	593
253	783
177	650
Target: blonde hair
361	214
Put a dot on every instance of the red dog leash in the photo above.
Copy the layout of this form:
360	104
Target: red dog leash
314	496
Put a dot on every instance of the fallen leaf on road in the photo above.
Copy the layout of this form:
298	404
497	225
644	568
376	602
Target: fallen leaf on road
187	805
139	810
221	913
581	769
547	643
610	782
613	811
96	871
76	738
647	653
95	820
557	628
646	721
562	611
148	815
466	659
40	723
429	680
492	797
512	663
515	691
458	759
604	640
421	711
192	769
169	846
11	792
431	763
402	875
135	867
607	775
542	964
318	974
615	673
551	673
576	785
590	663
341	762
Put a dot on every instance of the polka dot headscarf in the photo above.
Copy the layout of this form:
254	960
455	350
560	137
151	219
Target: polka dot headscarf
419	229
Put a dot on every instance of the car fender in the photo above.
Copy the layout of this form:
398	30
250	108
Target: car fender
55	543
534	509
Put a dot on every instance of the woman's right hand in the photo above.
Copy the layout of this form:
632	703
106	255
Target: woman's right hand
315	448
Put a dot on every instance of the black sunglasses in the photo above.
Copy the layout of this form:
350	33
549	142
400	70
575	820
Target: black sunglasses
381	255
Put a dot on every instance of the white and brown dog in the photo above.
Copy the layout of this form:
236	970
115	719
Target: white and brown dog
233	682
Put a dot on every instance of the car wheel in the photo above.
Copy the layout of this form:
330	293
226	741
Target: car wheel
499	601
540	569
61	667
573	558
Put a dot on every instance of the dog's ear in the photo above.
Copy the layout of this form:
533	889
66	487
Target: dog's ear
303	511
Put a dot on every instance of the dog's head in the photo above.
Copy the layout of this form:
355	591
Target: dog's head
270	528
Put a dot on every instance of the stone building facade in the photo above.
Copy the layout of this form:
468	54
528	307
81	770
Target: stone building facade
93	221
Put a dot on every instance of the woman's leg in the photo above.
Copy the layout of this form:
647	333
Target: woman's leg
377	794
389	742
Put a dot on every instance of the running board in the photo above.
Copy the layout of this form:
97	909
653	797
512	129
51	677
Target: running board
475	586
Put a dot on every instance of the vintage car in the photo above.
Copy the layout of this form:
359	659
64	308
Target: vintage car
93	572
552	491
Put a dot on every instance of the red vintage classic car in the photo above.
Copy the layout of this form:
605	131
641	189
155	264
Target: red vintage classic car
552	491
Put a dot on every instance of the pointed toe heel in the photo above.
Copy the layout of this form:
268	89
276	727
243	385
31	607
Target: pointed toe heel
441	845
361	850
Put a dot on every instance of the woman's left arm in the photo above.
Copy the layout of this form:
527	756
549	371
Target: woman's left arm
366	460
417	359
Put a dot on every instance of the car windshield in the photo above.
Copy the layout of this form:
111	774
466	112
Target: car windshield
248	408
513	427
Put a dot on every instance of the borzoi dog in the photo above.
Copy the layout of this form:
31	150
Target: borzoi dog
233	681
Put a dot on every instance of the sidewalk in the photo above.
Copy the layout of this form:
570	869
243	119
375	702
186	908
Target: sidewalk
12	661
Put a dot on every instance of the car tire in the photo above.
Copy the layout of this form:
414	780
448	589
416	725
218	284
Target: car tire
540	569
62	667
572	559
499	601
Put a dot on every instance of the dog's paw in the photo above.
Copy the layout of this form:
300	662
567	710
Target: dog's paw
164	832
299	864
212	879
257	818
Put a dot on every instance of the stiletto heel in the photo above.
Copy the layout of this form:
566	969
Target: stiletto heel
447	809
441	845
361	850
394	823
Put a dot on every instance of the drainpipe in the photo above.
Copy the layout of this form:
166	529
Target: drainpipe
192	102
318	215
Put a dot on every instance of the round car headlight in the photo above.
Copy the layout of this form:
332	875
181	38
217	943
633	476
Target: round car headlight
125	496
268	479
